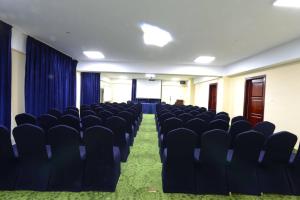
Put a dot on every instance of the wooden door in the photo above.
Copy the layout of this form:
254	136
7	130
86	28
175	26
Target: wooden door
212	100
255	99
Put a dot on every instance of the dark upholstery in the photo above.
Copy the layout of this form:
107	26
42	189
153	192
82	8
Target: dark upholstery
294	174
70	120
85	113
104	115
47	121
66	164
102	169
222	113
54	112
129	118
266	128
242	171
198	126
211	171
238	118
185	117
223	117
205	117
178	172
91	120
8	166
219	124
25	118
71	112
238	127
118	127
272	172
34	167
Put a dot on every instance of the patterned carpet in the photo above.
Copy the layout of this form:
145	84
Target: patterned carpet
140	178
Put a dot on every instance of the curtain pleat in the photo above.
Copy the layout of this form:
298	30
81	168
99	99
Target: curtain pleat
90	88
50	78
5	74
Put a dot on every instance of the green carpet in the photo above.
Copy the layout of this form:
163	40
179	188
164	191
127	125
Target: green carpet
140	178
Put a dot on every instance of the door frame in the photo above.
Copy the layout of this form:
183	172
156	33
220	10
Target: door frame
209	99
247	80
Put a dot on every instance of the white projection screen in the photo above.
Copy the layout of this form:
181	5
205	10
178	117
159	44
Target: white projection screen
146	89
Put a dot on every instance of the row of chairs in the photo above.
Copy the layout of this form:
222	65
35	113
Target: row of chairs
254	166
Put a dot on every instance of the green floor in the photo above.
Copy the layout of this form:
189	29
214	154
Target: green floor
140	178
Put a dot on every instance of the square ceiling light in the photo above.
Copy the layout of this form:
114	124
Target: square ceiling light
156	36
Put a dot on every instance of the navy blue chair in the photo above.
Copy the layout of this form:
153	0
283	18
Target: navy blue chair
104	115
222	113
72	108
185	117
70	120
212	167
47	121
242	170
205	117
54	112
272	174
238	118
223	117
237	128
66	164
162	118
130	125
8	167
121	139
75	113
102	169
198	126
266	128
178	173
194	112
25	118
178	112
85	113
294	174
91	120
218	124
34	166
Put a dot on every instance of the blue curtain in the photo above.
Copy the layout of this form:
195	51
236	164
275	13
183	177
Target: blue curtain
5	74
133	90
90	88
50	78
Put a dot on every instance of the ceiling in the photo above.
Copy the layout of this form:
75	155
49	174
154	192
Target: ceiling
229	30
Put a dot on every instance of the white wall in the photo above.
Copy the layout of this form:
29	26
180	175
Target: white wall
106	85
173	90
121	90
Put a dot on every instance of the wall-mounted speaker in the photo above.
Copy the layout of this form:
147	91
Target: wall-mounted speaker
182	82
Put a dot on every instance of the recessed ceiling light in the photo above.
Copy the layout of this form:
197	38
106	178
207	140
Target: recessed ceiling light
287	3
150	75
155	36
204	59
94	54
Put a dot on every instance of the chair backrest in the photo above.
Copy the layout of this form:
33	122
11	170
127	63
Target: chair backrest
54	112
247	146
70	120
72	108
165	116
194	112
47	121
222	113
25	118
296	161
99	144
223	117
279	147
64	140
104	115
219	124
197	125
6	150
30	141
171	124
85	113
185	117
205	117
129	117
180	144
71	112
239	127
202	110
90	121
238	118
266	128
214	147
178	112
118	127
